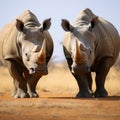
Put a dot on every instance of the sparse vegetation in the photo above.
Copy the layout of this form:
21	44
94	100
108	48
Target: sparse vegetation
60	80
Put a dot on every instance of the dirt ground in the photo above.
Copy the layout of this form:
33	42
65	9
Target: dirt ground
57	99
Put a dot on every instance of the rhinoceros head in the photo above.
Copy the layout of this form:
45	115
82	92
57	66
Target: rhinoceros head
82	41
32	43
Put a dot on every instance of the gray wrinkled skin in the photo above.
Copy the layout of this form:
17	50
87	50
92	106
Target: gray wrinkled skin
25	48
91	44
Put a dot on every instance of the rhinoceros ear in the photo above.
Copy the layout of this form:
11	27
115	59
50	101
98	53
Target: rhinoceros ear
93	22
45	25
67	26
19	25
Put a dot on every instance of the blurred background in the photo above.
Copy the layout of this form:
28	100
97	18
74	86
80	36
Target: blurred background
59	78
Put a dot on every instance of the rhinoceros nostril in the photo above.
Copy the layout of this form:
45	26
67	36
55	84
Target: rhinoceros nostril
31	70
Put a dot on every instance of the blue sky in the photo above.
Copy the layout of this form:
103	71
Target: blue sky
58	9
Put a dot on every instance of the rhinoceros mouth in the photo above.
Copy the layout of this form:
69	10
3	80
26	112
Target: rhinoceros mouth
38	72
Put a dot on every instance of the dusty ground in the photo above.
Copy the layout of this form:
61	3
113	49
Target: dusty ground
57	99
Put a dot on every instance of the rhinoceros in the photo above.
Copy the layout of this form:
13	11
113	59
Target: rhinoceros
91	44
26	48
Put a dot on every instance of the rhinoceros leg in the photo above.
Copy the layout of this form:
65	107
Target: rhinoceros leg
19	82
89	78
84	84
101	73
15	88
32	82
31	85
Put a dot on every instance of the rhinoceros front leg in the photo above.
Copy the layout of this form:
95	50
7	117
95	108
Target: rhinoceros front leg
20	84
84	84
15	88
31	86
101	73
84	90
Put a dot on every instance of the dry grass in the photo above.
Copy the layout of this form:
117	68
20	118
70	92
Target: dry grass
59	104
60	80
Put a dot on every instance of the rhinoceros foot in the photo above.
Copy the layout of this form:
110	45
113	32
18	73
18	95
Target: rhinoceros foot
14	93
21	94
101	93
33	94
84	94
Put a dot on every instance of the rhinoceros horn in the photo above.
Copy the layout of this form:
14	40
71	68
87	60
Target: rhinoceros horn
42	53
79	57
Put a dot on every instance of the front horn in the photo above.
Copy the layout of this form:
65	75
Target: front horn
42	53
79	57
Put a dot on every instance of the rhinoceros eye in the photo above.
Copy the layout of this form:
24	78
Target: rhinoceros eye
90	51
27	56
